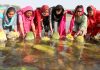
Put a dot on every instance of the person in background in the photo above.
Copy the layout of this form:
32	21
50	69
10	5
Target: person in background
42	20
56	18
2	9
9	20
93	21
26	21
78	23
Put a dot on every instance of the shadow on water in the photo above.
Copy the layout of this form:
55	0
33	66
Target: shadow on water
51	55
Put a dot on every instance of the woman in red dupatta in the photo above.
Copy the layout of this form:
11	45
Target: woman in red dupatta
93	21
40	14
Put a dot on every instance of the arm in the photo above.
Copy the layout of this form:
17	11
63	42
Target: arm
15	23
69	12
38	19
1	20
83	26
21	25
1	16
33	28
51	27
50	21
1	12
15	29
98	19
1	28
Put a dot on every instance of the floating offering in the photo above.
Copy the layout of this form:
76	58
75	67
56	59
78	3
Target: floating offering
12	35
69	37
79	39
45	39
29	36
2	36
55	36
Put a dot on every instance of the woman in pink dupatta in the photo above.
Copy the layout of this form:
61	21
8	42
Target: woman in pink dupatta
78	23
93	21
26	17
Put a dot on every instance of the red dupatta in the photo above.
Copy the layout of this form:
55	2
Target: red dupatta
38	18
93	21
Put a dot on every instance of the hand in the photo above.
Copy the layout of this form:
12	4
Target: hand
84	32
40	35
2	11
15	30
1	30
51	32
78	33
65	12
23	36
34	34
98	25
88	36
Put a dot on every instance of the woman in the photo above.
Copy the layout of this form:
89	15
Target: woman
42	20
78	24
10	20
57	18
2	9
8	30
26	17
93	21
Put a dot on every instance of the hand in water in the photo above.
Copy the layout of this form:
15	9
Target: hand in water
34	34
23	36
52	32
40	35
98	25
1	30
88	36
68	32
80	32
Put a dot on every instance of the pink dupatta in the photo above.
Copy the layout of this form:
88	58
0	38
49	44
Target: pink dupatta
27	22
62	27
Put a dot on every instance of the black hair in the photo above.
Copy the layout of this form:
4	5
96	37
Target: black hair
77	7
59	7
89	8
10	9
55	16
